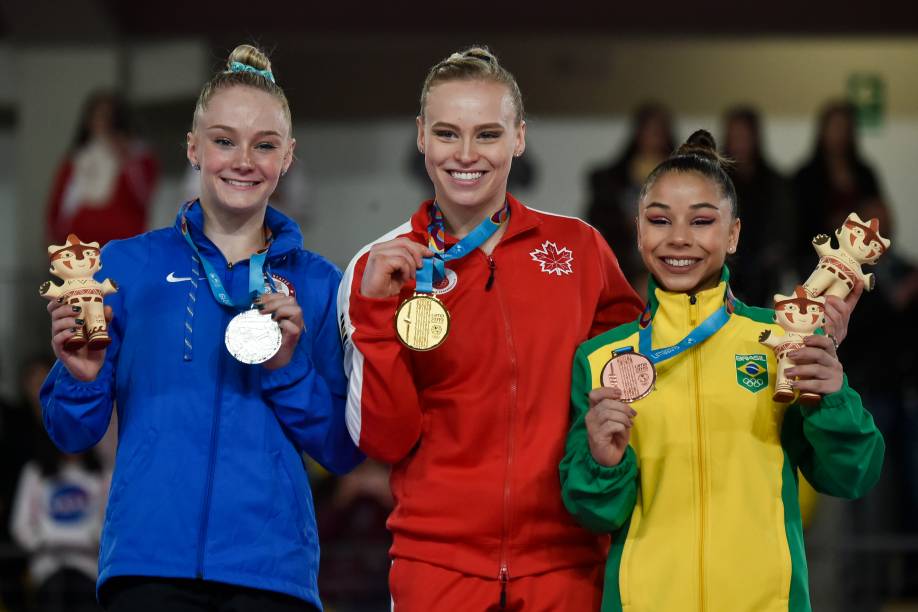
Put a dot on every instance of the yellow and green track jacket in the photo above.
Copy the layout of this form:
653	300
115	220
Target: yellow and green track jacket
703	508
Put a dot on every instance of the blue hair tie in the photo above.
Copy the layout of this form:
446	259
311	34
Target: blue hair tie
240	67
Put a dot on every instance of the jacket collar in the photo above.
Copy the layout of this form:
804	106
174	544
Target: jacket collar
666	304
286	233
522	219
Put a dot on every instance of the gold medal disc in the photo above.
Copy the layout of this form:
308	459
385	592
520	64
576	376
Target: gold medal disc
422	322
632	373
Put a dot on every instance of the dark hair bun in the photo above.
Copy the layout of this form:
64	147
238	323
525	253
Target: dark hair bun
701	144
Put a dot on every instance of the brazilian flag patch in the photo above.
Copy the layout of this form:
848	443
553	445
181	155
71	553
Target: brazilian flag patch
752	371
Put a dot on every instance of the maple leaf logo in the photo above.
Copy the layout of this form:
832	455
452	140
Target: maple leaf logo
552	259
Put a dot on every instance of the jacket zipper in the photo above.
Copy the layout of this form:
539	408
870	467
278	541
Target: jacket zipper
702	515
503	574
491	267
212	459
504	578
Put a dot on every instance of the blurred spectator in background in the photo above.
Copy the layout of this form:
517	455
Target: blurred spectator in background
57	520
834	182
352	527
766	211
105	184
614	189
18	431
879	351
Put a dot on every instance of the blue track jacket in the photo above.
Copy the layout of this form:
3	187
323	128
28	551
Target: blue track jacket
209	481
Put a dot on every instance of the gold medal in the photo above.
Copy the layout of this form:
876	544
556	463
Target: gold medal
422	322
632	373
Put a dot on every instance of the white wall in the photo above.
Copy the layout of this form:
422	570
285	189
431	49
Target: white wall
361	187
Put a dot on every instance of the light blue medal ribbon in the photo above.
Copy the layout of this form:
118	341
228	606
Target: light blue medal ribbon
256	271
708	328
434	268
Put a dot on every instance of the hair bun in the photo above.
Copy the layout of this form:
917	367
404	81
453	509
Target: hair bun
701	144
481	53
250	56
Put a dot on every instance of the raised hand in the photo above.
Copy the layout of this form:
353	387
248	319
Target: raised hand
392	264
82	363
608	424
816	366
289	316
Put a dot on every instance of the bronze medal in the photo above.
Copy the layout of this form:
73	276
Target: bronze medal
422	322
631	372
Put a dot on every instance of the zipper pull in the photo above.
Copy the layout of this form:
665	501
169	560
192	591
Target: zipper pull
504	578
693	299
491	266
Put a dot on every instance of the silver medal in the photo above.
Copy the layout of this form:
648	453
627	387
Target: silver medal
252	337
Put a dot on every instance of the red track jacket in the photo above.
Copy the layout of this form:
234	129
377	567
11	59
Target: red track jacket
475	428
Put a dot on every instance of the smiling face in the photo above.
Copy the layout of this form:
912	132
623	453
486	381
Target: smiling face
861	241
242	143
685	230
76	262
469	136
799	313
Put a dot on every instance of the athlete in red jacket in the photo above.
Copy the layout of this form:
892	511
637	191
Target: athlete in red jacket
475	427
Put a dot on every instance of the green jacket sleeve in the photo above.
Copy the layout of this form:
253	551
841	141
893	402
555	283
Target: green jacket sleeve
836	444
601	498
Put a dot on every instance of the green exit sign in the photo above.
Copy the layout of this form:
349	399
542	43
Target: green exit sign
867	92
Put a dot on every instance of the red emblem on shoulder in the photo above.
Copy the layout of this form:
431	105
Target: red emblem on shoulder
553	259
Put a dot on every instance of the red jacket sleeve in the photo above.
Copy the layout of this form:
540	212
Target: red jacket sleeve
383	410
618	302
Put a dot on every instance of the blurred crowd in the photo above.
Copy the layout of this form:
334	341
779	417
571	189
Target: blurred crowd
52	504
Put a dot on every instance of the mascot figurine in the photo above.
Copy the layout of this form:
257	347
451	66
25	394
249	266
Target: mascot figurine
799	315
75	263
858	243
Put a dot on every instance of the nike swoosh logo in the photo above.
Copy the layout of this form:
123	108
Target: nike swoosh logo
172	278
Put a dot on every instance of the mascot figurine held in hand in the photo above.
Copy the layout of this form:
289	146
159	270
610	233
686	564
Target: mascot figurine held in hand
838	269
799	315
75	263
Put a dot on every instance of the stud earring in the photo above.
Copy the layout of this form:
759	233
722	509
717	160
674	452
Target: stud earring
196	167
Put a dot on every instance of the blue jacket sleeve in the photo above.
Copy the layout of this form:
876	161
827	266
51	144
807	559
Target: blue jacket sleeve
308	394
75	413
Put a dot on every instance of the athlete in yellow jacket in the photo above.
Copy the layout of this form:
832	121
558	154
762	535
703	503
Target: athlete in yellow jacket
697	481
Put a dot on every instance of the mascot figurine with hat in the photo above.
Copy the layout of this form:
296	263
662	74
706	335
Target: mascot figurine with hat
75	263
838	269
799	315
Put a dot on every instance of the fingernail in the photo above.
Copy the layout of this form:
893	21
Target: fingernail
77	309
79	321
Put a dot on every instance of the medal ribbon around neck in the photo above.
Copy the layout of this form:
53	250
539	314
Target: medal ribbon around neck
256	269
705	330
434	269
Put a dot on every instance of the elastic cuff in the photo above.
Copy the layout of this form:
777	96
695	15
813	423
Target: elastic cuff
839	399
66	386
290	374
617	472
